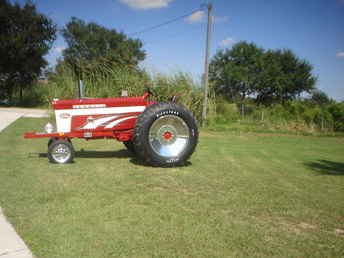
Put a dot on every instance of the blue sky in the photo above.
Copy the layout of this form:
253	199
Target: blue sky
313	29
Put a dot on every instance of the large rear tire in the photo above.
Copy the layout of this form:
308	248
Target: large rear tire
130	146
166	135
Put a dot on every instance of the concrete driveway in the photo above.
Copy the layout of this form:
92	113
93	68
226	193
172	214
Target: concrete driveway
9	115
11	245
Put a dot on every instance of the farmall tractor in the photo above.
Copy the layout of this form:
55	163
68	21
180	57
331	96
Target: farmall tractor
160	134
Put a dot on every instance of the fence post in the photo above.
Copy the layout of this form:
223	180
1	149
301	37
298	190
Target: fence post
242	111
81	90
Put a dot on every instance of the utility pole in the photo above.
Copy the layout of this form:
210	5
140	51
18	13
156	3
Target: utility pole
206	63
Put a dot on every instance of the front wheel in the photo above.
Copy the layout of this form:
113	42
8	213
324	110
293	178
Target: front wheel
51	140
61	151
166	135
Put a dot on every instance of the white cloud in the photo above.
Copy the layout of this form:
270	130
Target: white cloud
59	49
227	42
198	16
220	19
340	54
146	4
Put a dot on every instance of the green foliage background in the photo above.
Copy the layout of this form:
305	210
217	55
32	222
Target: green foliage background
251	89
268	76
25	37
106	82
300	116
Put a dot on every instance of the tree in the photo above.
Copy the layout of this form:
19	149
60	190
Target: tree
270	76
337	112
91	44
319	97
235	72
284	77
25	37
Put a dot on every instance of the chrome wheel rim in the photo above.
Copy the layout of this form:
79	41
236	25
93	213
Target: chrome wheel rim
61	153
169	136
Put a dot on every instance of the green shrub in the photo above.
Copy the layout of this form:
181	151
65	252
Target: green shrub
337	112
227	110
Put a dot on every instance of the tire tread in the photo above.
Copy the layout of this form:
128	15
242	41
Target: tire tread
141	130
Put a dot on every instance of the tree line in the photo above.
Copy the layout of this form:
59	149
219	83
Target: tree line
245	70
244	73
268	76
25	37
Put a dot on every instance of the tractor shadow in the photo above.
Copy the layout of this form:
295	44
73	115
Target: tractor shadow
97	154
326	167
124	154
136	161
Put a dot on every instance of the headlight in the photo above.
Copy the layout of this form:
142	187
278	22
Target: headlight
49	128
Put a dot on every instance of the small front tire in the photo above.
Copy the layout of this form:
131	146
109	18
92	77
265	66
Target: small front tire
51	140
61	151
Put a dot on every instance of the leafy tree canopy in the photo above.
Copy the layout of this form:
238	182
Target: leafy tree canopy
270	76
235	72
91	44
25	37
319	97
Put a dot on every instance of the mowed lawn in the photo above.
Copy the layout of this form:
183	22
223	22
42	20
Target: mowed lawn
242	195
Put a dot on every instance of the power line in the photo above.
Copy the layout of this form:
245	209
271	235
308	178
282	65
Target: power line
163	37
163	24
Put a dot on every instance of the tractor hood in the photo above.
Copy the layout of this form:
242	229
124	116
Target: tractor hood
87	103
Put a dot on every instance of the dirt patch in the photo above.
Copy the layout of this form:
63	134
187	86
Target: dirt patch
297	229
171	189
290	227
307	226
229	158
157	188
274	134
256	160
209	134
281	224
339	231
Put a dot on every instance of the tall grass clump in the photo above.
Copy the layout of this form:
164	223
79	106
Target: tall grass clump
104	82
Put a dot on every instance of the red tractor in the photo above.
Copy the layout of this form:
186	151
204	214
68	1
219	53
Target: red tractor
160	134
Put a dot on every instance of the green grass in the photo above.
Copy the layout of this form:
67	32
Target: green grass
243	195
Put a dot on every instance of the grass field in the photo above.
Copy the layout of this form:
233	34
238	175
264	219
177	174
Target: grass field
242	195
